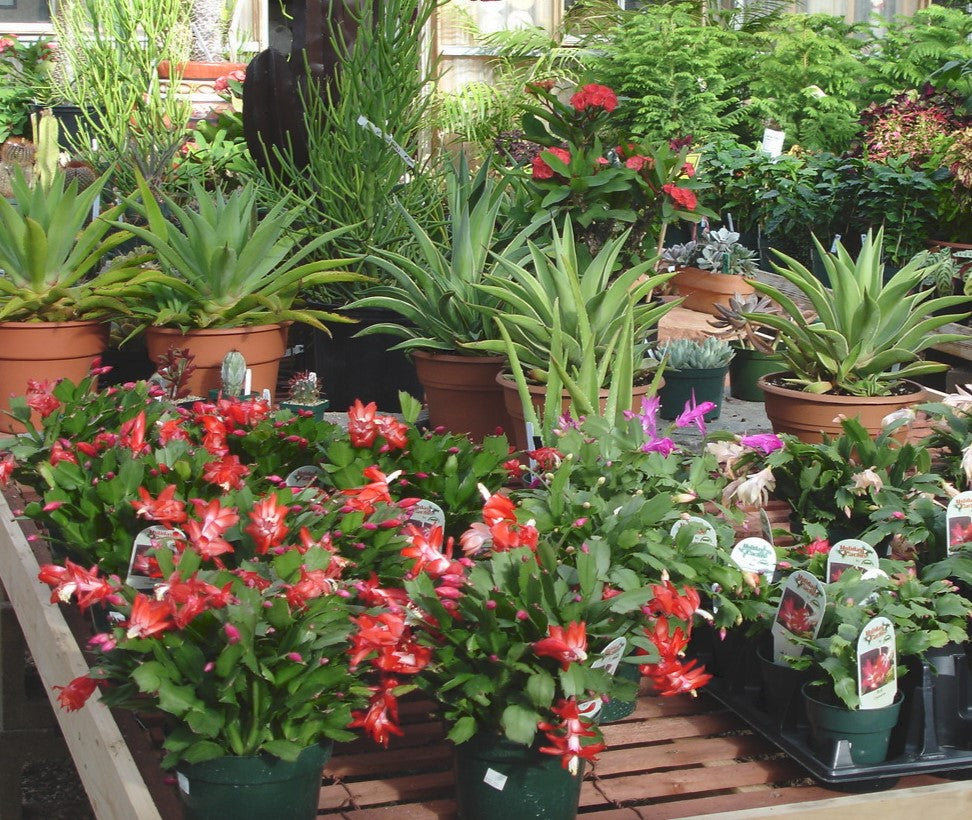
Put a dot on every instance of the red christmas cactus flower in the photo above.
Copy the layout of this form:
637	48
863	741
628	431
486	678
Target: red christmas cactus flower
427	551
60	451
361	423
374	633
148	617
567	737
381	719
40	397
594	96
73	696
191	597
363	499
227	473
206	536
668	601
132	435
7	467
267	525
165	508
564	645
71	579
312	584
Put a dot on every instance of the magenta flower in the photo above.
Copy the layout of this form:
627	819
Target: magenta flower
694	414
665	446
648	415
764	442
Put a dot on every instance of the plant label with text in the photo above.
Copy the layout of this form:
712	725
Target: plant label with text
850	553
609	661
877	664
702	531
426	516
755	555
143	570
303	477
958	521
799	614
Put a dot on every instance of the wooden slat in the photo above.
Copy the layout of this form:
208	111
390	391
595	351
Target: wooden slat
109	774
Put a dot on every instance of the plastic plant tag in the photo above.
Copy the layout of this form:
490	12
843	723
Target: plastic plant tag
772	142
303	477
140	564
850	553
702	531
877	664
798	615
183	782
958	521
426	516
495	779
609	661
755	555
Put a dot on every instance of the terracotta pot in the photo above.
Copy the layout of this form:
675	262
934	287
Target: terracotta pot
808	415
538	394
462	393
44	350
703	289
263	346
196	84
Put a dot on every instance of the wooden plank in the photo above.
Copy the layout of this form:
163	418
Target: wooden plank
688	752
390	790
111	779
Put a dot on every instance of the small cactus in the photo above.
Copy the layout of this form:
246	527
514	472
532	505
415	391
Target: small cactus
18	151
303	388
689	354
79	172
232	373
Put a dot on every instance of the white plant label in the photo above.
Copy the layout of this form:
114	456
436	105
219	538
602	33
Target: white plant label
755	555
140	565
772	142
850	553
877	664
609	661
426	515
799	614
702	531
303	477
495	779
958	521
183	782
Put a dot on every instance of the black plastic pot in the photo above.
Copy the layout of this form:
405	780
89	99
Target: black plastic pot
364	368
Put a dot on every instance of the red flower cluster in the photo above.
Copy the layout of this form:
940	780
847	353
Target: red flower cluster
565	645
682	197
594	96
671	675
7	466
71	579
567	737
540	169
499	530
40	397
365	426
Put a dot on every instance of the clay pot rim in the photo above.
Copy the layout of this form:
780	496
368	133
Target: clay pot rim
25	325
827	398
200	69
443	356
165	330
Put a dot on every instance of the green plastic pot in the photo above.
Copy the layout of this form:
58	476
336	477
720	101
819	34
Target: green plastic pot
868	730
680	385
614	709
498	780
781	683
254	788
746	367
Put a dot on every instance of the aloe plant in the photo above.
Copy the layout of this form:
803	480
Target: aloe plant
225	265
867	333
567	327
50	256
437	293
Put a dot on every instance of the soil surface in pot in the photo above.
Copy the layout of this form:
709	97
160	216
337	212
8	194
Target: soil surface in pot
896	390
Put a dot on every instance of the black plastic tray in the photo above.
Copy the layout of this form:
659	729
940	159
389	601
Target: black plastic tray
934	733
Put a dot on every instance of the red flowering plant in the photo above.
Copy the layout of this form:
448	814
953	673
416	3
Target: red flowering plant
605	181
514	632
269	654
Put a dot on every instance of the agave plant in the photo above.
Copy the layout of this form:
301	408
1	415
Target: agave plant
438	294
866	334
226	265
583	329
50	254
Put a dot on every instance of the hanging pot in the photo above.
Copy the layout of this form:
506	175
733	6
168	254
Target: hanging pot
263	346
461	392
44	351
498	780
867	730
680	386
254	788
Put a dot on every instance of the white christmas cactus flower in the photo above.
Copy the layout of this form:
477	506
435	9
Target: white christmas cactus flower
967	464
752	490
905	414
961	399
866	481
